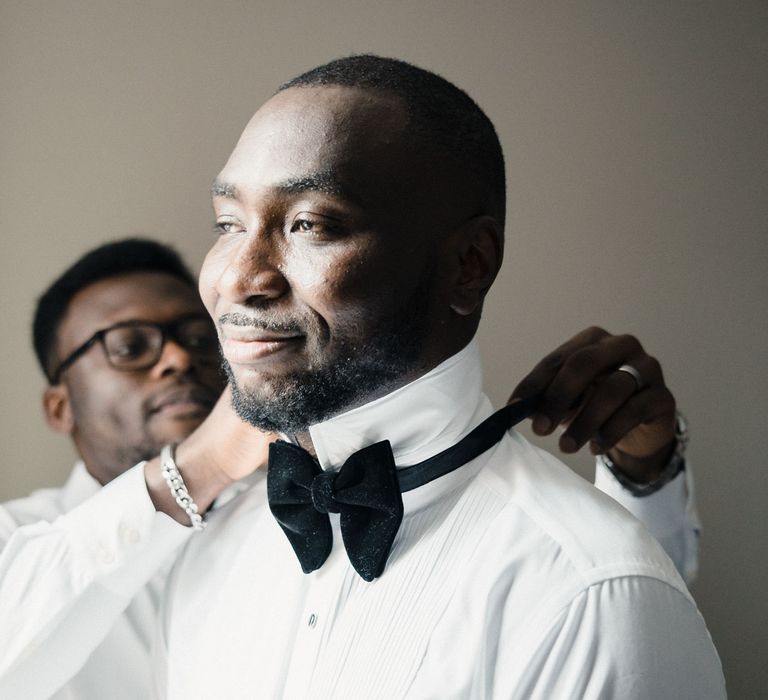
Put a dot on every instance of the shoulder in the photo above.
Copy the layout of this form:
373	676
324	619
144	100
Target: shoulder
566	521
43	504
630	637
46	504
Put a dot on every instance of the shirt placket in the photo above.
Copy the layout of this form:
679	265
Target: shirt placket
317	619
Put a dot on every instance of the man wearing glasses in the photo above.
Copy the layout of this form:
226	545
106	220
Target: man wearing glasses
131	358
132	363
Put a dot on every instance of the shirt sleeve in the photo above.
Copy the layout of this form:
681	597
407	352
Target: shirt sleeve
669	514
631	637
63	584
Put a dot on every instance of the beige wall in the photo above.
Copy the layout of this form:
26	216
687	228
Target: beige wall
637	146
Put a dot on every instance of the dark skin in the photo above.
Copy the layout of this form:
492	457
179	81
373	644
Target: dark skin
117	418
326	223
311	237
578	388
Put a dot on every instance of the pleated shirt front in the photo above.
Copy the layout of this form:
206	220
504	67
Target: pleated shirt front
510	577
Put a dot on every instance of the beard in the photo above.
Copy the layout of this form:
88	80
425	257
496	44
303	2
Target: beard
356	372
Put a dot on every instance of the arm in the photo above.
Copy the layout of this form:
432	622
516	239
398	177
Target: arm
631	637
630	423
64	583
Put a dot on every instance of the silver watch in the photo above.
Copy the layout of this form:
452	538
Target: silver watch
675	465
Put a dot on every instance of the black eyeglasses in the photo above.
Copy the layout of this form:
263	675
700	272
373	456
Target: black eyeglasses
136	345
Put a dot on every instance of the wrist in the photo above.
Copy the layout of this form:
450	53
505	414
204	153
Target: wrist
642	470
203	477
642	476
202	480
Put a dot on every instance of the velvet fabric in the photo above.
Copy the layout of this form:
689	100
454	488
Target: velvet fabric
364	492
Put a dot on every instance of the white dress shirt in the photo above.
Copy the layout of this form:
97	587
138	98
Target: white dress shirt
78	600
510	577
75	615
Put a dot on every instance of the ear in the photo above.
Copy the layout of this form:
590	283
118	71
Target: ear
480	245
58	409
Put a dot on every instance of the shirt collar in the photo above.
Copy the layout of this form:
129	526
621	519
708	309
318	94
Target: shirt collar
420	419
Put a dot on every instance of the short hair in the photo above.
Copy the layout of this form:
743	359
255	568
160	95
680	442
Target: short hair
437	111
108	260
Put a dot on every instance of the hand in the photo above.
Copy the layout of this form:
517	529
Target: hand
225	443
223	449
578	386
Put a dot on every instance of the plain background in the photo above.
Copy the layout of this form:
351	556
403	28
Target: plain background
636	138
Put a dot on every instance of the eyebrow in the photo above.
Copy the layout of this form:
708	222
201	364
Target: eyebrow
224	189
324	181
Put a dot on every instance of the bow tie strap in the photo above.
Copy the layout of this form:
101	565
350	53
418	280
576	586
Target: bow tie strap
364	492
472	445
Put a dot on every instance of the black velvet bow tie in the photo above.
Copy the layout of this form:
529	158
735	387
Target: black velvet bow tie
366	492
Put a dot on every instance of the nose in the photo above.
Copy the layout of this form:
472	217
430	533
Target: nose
174	359
251	273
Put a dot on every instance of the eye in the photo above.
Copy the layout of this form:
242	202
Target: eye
227	226
315	226
125	344
199	335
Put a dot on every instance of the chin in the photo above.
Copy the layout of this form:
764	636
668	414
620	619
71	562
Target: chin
178	427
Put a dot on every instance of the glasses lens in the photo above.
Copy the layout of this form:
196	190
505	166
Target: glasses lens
133	347
198	335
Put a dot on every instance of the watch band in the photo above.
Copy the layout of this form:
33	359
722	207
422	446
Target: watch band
675	465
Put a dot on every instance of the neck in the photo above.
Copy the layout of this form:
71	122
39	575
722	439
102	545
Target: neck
304	439
419	419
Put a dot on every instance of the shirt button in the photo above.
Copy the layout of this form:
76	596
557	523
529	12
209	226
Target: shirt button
129	535
107	556
312	621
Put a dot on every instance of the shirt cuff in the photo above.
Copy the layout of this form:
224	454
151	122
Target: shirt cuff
119	537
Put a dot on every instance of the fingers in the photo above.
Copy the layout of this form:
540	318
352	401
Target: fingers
613	413
591	365
640	427
604	400
541	376
579	386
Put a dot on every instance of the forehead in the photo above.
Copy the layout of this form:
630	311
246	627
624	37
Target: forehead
332	130
145	296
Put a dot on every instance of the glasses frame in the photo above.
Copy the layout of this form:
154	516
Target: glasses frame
167	330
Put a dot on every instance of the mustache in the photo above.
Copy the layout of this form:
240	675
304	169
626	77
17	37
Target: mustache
278	324
185	389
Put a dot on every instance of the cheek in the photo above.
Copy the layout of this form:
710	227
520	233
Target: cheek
214	265
334	283
113	406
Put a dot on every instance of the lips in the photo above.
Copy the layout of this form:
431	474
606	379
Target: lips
182	400
245	345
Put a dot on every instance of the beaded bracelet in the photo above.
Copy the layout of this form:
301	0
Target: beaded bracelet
178	489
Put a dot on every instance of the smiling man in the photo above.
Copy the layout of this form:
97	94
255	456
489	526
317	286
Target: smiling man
412	545
128	356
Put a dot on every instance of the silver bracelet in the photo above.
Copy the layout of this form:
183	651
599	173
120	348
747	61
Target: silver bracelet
177	486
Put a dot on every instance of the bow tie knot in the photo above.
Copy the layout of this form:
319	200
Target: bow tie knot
322	492
365	493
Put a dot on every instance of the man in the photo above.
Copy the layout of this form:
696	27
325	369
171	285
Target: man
360	222
116	424
132	361
55	607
